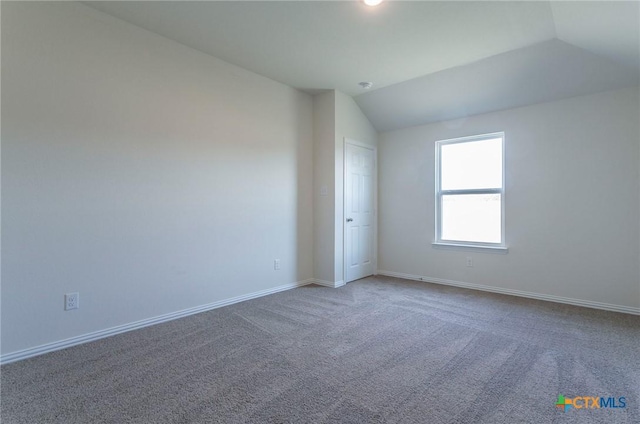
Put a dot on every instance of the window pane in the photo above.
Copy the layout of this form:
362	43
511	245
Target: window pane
469	165
472	217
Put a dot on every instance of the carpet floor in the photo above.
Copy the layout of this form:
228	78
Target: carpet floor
379	350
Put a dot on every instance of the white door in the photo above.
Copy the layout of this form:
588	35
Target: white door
358	212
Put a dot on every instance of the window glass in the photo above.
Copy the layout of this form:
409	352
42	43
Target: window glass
470	191
471	165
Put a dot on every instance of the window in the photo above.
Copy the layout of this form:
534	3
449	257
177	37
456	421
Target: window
470	191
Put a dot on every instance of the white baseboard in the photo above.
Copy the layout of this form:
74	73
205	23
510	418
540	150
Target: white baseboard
100	334
531	295
333	285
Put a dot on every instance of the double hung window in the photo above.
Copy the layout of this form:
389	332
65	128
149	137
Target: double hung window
470	191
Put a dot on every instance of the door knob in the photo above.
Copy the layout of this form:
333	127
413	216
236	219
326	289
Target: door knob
349	219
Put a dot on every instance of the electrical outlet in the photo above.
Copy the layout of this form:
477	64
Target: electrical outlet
276	264
469	261
71	301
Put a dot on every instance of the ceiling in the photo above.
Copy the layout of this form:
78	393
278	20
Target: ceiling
428	60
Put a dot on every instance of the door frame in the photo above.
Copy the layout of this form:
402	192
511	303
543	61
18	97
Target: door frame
353	142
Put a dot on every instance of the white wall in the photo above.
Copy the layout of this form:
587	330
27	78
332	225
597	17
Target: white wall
147	176
324	127
572	201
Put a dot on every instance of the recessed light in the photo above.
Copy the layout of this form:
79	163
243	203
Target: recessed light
365	84
372	2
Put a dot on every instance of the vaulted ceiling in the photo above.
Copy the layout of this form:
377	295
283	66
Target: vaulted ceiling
428	60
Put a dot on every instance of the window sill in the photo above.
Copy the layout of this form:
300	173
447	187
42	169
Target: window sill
456	246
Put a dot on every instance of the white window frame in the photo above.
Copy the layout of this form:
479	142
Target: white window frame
439	193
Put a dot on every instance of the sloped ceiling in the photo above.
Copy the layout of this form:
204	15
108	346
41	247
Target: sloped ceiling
428	60
546	71
610	29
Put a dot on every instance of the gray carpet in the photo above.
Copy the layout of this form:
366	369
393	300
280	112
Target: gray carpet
380	350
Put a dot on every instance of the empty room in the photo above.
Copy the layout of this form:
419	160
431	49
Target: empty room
355	211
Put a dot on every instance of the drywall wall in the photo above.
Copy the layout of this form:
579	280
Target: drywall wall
146	176
324	127
572	201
